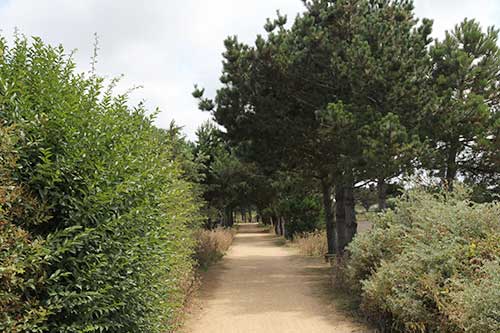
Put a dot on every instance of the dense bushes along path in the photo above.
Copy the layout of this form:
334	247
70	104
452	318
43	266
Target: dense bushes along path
261	286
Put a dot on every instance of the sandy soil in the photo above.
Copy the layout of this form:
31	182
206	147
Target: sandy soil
262	286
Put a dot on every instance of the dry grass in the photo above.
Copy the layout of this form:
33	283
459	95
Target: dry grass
312	243
211	245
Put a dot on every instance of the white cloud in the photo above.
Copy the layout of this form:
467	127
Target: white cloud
447	13
166	46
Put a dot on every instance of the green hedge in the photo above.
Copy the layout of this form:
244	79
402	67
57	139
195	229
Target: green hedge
23	260
430	265
109	238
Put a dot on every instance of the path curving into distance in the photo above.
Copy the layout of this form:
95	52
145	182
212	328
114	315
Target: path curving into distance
264	287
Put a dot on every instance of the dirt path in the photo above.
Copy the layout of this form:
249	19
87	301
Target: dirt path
263	287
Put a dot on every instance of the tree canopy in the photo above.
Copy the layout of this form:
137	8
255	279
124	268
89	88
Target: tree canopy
354	92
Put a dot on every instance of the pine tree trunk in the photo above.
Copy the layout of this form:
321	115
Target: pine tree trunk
340	221
243	215
260	217
350	213
329	220
282	227
451	166
382	194
275	223
228	217
265	219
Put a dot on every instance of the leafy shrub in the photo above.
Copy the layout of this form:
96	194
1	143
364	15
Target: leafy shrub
211	245
476	307
110	236
431	265
22	258
312	243
367	250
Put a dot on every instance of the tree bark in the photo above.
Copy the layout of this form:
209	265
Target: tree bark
243	215
451	166
274	220
228	217
222	219
350	213
282	227
326	190
266	219
382	194
340	221
260	217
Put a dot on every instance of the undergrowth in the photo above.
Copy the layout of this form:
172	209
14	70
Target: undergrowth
211	245
430	265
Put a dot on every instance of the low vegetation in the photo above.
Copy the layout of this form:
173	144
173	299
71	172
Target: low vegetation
311	243
430	265
211	245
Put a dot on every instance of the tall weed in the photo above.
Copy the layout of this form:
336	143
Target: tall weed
211	245
312	243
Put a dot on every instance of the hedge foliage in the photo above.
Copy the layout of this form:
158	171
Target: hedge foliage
95	207
430	265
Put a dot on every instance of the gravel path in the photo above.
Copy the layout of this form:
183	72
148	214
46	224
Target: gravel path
261	286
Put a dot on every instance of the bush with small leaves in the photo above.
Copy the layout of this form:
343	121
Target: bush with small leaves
22	258
430	265
115	209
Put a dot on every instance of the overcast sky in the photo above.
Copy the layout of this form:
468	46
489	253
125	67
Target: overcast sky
167	46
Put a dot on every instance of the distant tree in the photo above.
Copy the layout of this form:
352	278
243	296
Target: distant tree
228	181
